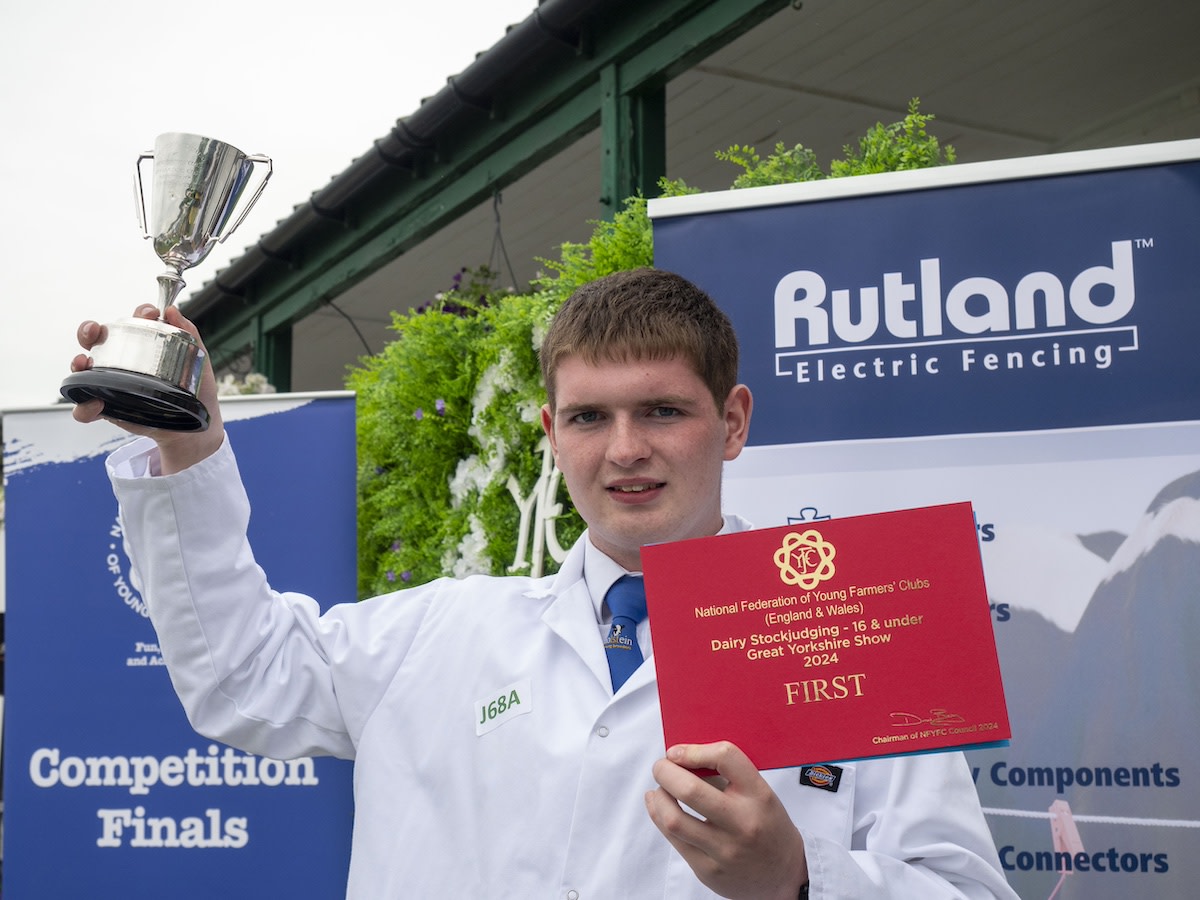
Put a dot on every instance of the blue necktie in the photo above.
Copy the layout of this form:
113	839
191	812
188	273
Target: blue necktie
627	601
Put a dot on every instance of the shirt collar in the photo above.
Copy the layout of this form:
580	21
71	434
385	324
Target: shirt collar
600	571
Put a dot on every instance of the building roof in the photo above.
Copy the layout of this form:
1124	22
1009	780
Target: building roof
508	160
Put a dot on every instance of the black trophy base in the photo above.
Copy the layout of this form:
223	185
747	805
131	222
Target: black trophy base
138	399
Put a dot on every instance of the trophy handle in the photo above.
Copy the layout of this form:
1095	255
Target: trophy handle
140	206
249	204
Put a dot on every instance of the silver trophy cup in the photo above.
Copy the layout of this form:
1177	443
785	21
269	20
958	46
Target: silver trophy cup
148	372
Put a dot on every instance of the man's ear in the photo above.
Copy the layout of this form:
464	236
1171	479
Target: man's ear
548	427
738	407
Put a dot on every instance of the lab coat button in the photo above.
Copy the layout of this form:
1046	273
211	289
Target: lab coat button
602	731
572	895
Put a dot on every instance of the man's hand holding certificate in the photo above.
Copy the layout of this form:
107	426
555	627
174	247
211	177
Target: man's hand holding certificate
828	641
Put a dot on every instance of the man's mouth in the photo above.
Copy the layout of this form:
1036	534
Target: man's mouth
635	488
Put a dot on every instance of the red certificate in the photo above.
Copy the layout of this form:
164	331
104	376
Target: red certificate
828	641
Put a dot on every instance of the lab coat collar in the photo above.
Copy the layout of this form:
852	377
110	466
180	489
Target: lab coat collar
572	616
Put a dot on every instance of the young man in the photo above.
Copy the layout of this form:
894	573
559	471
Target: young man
567	793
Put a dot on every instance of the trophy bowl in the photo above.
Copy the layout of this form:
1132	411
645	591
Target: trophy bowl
147	372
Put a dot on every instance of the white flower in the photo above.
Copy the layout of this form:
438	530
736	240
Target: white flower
538	334
490	465
472	551
471	474
530	410
254	383
496	379
227	385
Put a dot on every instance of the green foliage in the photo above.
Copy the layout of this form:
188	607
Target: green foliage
906	144
449	412
675	187
784	166
892	148
414	401
507	434
626	242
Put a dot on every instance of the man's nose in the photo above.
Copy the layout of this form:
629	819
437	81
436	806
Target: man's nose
627	443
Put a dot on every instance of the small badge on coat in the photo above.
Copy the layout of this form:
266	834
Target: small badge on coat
502	705
827	778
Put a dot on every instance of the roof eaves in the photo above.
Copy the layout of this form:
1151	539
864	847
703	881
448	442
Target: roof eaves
553	24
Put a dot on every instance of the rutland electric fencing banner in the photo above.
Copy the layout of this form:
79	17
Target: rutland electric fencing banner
108	792
1021	335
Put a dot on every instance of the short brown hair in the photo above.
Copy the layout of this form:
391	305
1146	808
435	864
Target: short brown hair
644	314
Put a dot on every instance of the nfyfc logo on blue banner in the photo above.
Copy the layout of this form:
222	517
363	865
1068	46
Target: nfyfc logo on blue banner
108	791
1001	306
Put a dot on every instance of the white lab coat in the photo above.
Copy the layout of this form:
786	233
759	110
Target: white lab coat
457	791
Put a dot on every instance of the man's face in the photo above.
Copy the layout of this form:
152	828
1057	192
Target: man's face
641	445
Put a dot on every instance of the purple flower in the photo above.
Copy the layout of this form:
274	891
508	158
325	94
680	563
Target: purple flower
391	576
395	546
406	576
419	414
440	406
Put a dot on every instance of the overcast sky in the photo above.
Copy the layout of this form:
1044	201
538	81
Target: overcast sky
86	86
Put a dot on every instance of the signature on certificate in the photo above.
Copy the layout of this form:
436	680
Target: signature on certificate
935	717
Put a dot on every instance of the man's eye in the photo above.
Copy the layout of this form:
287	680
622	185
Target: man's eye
665	412
585	418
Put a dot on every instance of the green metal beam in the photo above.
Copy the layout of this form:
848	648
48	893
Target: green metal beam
649	116
273	354
448	190
462	193
633	140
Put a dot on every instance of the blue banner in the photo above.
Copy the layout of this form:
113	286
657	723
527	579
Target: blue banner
1020	335
107	790
1044	302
